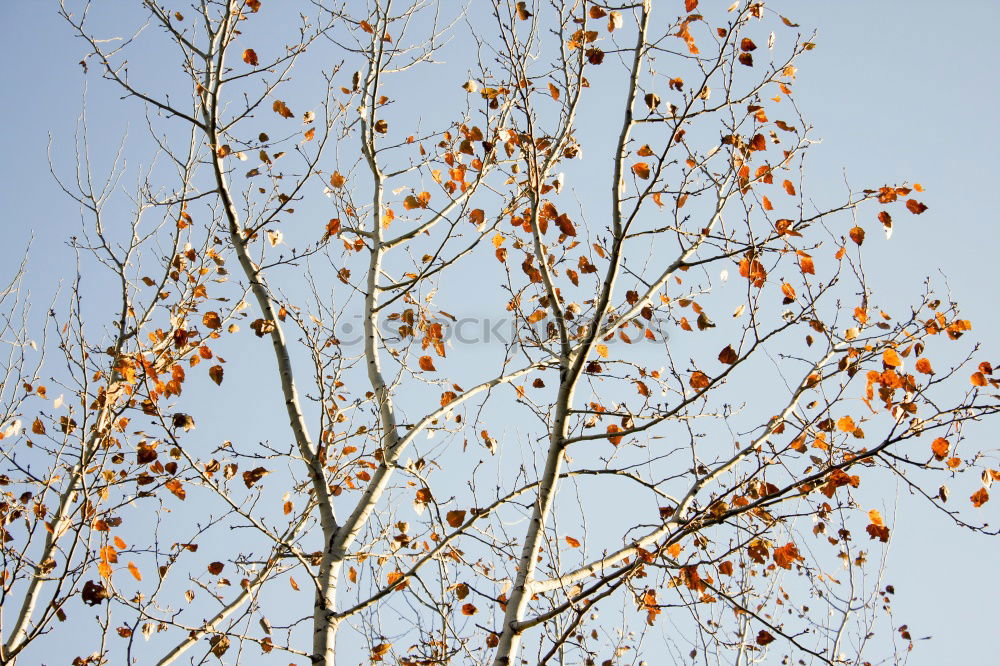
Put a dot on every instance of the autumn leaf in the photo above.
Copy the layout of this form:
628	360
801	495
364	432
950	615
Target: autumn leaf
924	366
337	181
253	476
427	363
980	497
176	487
37	427
215	568
572	542
215	373
282	109
455	518
891	358
846	424
978	379
728	355
250	57
858	235
613	437
763	638
915	206
641	169
602	350
789	188
211	320
786	556
699	380
134	570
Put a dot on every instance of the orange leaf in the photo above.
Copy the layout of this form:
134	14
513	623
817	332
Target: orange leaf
940	448
924	366
336	180
250	57
134	570
455	518
845	424
572	542
689	5
536	316
978	379
211	320
915	206
612	437
980	497
789	188
641	169
858	235
282	109
175	486
699	380
427	363
786	556
891	358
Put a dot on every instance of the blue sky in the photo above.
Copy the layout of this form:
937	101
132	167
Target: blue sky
897	90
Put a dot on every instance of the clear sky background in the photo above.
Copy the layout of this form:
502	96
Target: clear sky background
898	90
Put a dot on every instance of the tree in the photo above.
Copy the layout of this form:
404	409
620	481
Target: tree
696	408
